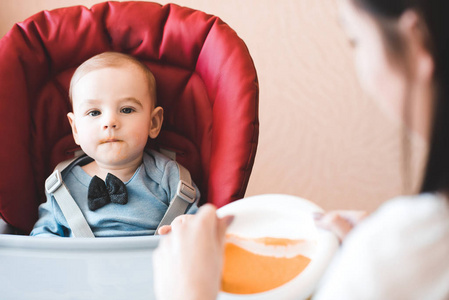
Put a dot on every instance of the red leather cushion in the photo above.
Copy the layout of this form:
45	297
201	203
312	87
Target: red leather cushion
206	82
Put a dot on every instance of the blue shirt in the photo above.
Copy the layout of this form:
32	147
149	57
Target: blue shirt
150	190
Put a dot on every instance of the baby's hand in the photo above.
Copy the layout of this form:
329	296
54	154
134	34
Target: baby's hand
166	229
340	222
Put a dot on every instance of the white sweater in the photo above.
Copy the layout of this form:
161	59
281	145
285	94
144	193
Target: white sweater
400	252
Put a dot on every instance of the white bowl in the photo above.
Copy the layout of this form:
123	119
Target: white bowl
282	216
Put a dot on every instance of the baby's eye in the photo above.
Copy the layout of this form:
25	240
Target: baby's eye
94	113
127	110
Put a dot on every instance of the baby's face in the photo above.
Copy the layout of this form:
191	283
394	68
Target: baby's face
113	115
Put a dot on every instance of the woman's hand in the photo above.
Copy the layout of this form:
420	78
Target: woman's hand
188	262
340	222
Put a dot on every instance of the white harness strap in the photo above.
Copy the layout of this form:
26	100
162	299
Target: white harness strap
185	195
72	213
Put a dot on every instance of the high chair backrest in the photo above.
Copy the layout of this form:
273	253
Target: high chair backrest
206	82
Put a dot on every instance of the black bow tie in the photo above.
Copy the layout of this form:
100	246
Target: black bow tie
101	193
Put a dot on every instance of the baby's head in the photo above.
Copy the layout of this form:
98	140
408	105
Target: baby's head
112	60
113	97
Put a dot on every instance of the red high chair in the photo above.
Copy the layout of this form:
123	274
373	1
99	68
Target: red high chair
206	83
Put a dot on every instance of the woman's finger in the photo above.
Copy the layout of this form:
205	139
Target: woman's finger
166	229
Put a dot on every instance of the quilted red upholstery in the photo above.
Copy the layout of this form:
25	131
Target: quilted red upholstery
206	80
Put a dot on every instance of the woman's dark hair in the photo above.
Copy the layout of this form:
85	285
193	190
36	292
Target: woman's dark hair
434	16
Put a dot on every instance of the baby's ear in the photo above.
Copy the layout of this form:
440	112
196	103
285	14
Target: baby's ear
71	118
157	117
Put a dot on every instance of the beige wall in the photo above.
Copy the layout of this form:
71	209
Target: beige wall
320	138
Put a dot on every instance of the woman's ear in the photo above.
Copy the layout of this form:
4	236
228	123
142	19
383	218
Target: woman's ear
157	117
71	118
417	42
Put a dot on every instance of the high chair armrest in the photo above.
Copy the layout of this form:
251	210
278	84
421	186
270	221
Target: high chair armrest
5	228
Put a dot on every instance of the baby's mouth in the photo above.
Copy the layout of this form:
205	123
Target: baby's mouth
112	140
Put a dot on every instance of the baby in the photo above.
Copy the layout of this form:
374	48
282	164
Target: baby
114	112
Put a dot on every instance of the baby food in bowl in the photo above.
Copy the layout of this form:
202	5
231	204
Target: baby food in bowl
273	249
262	264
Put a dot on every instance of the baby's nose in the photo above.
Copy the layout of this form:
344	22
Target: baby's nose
110	122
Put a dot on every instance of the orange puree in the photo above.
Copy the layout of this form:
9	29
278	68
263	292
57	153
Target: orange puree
276	241
245	272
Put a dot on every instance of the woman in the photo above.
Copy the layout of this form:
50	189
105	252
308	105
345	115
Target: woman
401	52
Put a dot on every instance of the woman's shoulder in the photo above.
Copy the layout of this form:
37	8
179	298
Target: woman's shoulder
399	215
399	224
405	242
419	206
394	253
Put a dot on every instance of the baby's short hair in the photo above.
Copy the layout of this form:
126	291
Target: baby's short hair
108	60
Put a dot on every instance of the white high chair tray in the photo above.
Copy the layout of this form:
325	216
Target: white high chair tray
283	216
76	269
121	267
